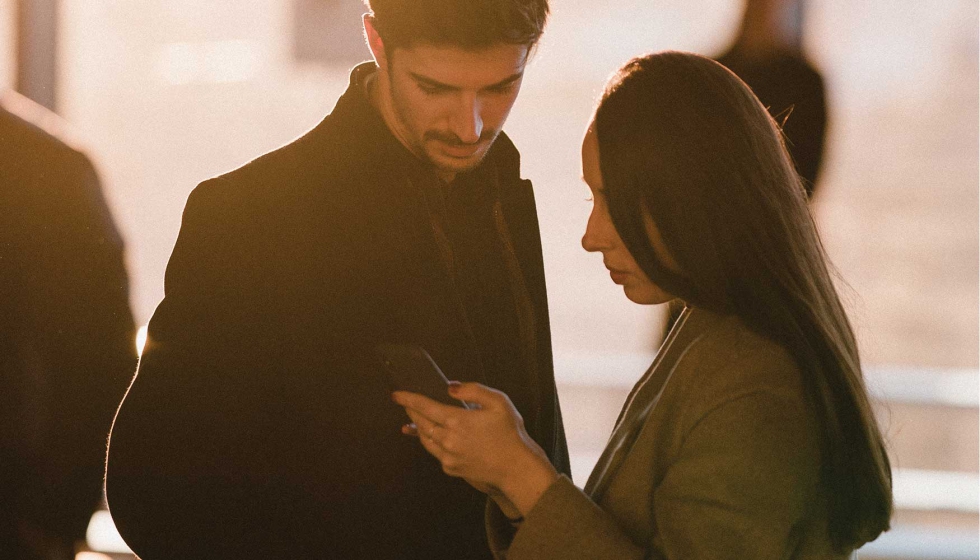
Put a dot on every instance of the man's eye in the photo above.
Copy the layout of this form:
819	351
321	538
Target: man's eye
431	90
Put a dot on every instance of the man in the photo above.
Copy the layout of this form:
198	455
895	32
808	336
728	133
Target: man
67	339
260	424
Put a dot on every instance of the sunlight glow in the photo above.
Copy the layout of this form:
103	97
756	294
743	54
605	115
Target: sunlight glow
102	535
140	340
92	556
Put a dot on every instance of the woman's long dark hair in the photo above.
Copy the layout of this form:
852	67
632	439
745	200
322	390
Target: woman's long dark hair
684	141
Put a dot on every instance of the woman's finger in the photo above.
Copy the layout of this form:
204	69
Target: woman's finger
434	411
436	450
415	417
426	429
475	393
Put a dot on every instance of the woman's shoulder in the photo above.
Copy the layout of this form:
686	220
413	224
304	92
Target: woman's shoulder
725	359
737	388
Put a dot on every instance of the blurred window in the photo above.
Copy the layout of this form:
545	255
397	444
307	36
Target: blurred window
328	31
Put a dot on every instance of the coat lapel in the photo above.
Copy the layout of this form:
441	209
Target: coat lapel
642	401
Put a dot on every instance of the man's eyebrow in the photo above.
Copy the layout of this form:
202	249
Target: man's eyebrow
437	84
506	81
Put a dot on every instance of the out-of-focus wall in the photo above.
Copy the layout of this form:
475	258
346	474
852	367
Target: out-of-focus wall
899	207
7	37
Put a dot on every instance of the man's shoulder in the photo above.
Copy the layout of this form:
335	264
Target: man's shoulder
728	357
37	133
318	159
319	148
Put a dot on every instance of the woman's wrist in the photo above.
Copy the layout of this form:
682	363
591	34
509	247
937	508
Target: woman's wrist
529	478
507	507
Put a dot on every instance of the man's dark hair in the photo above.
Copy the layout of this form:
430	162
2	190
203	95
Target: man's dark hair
470	24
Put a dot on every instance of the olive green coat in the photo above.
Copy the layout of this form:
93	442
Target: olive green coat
715	455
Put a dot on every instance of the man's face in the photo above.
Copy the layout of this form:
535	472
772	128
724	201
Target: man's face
447	104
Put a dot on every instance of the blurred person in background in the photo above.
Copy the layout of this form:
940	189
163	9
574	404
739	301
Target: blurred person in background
67	338
752	434
260	424
768	56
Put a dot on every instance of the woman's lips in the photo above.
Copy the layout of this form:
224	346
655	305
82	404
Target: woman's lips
618	276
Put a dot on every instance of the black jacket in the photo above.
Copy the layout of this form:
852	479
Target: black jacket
259	424
67	347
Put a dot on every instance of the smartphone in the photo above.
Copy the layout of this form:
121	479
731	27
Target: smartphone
411	368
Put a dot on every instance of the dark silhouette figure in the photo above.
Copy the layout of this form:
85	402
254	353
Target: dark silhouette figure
767	55
260	423
66	335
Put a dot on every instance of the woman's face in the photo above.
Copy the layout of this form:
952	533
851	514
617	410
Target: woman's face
601	236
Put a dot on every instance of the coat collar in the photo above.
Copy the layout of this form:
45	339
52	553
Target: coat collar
690	328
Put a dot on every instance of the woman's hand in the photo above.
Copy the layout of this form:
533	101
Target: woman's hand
504	503
488	446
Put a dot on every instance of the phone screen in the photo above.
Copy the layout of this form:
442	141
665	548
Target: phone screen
411	368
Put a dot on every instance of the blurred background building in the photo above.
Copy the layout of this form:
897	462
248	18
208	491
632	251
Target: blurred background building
168	93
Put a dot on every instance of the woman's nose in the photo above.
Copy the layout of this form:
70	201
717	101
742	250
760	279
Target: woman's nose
594	238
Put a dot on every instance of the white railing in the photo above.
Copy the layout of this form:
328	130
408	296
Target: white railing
910	384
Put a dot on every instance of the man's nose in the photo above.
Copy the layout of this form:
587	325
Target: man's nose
467	122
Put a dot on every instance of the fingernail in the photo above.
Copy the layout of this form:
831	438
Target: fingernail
454	386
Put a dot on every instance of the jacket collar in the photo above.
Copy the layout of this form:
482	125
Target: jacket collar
691	327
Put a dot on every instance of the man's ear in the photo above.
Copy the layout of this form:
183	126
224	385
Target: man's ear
374	42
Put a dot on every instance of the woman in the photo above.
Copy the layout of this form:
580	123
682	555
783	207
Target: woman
751	436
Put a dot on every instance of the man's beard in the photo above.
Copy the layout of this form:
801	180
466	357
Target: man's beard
487	137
